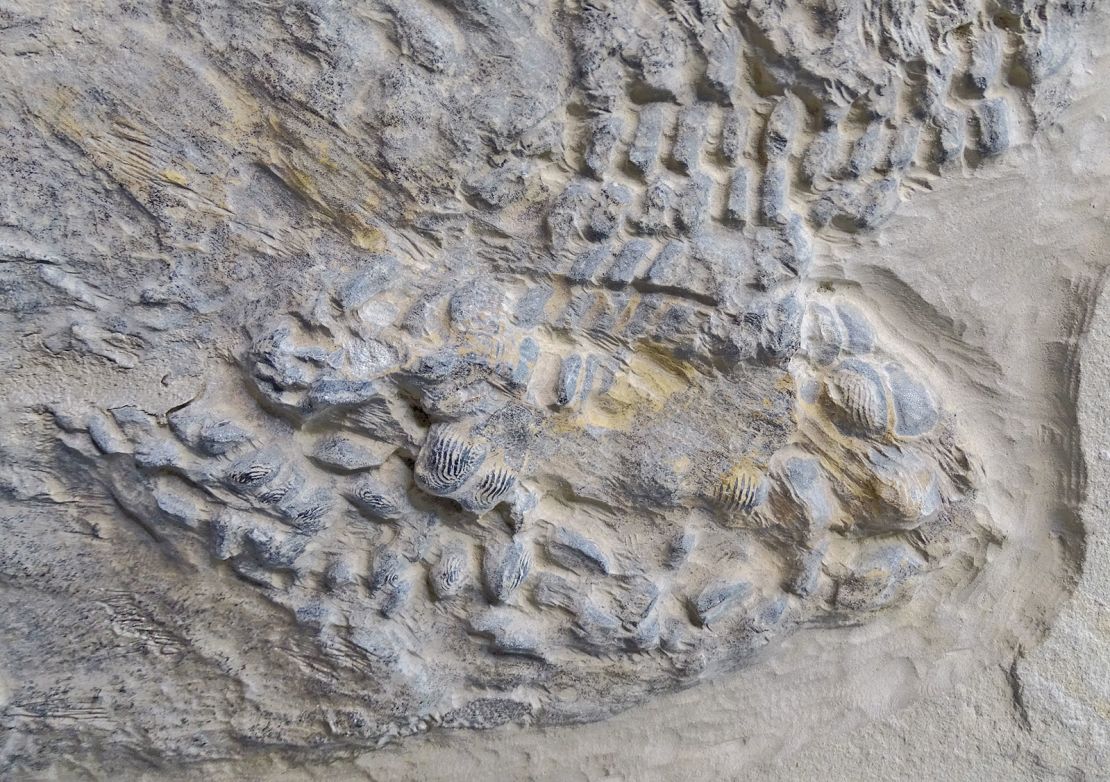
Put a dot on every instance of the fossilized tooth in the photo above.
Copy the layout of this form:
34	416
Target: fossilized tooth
530	307
340	574
450	574
692	206
859	337
642	317
915	411
906	488
799	239
447	460
680	548
643	153
986	60
105	434
510	632
260	575
486	713
661	63
216	438
492	486
800	497
566	385
741	489
387	570
476	306
274	364
599	75
252	472
722	65
341	454
307	513
878	201
575	313
903	148
857	400
563	215
804	570
689	137
659	198
315	614
675	323
734	134
736	207
528	353
865	151
604	133
552	591
646	634
209	436
993	119
505	569
522	507
156	453
575	551
780	338
767	616
596	629
782	127
273	549
226	534
331	391
585	266
774	194
950	127
177	507
377	500
377	273
822	335
396	598
494	189
667	265
277	492
377	643
628	259
878	577
389	423
820	158
716	599
368	358
607	212
635	598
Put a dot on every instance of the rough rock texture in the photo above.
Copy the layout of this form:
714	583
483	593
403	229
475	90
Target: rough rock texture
706	372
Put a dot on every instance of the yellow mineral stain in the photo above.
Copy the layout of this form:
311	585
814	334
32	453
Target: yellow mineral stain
302	183
746	466
176	177
323	156
642	387
367	237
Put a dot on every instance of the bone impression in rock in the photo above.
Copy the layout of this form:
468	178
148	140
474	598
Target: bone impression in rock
551	416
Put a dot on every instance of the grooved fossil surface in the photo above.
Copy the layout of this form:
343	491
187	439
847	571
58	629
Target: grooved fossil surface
381	368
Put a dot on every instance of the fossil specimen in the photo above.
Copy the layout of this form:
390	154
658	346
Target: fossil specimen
566	420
